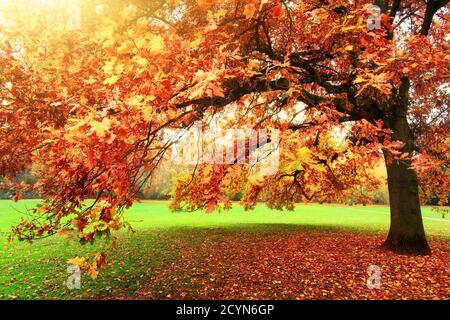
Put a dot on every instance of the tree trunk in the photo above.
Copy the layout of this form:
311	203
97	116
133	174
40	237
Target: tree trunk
406	233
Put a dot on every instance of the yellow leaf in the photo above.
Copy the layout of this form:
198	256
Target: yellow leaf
197	93
349	48
108	68
157	43
359	79
196	43
100	128
253	64
79	262
304	154
140	60
147	113
221	13
107	31
350	28
201	75
119	68
92	271
111	80
142	22
135	101
140	42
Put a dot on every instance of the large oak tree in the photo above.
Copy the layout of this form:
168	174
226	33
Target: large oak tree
86	106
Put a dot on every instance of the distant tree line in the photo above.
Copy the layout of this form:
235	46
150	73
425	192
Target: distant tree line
161	186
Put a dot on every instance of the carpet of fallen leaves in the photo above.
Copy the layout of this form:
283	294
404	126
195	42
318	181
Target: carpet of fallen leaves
299	264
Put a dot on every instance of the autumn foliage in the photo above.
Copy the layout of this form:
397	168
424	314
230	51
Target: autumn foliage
85	108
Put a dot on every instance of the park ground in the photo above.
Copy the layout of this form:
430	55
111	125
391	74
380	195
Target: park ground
314	252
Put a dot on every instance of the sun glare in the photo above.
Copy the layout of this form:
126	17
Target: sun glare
40	4
52	3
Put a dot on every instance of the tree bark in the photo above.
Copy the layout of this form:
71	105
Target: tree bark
406	233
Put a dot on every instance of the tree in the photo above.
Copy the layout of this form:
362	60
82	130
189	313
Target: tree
86	106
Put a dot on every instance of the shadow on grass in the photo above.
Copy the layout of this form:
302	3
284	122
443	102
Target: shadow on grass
267	228
39	272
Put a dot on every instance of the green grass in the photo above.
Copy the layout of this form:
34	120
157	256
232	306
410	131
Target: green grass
39	270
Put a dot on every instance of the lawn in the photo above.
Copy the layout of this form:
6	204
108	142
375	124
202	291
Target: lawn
235	254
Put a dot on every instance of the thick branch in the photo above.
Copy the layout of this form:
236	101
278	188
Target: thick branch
433	6
236	91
